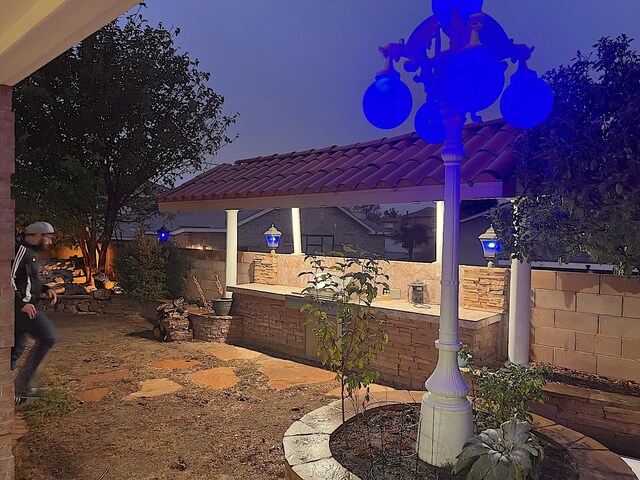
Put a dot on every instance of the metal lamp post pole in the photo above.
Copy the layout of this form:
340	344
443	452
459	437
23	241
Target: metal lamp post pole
446	416
466	78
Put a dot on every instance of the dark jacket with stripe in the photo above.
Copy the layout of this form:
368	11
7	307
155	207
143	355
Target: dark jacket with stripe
25	276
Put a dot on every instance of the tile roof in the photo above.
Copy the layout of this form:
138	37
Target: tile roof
387	170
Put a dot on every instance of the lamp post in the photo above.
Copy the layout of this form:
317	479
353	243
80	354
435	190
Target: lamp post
466	78
490	245
272	236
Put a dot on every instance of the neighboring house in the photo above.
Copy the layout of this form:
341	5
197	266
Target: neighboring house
324	230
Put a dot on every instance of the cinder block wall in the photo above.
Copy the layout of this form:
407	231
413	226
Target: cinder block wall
208	262
7	229
587	322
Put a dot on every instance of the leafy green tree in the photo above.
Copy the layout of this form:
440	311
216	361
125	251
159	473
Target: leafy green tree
338	306
102	125
579	172
410	236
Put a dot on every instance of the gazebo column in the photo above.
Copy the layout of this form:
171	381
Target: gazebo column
231	263
439	230
297	231
519	311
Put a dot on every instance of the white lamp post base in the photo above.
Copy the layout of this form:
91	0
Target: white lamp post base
445	424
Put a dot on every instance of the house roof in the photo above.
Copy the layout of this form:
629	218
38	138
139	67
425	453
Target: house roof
387	170
186	222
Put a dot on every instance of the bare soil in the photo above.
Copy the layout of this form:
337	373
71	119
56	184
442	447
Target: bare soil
381	446
193	434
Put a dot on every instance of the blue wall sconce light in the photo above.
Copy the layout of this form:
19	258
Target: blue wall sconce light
272	236
163	233
490	245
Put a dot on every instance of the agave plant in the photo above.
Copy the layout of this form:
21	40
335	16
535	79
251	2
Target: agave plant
509	453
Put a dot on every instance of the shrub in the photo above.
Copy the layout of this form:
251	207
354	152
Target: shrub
509	453
178	267
502	395
338	305
141	269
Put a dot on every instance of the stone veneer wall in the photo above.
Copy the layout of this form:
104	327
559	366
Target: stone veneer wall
587	322
481	288
266	269
268	324
407	361
7	235
612	419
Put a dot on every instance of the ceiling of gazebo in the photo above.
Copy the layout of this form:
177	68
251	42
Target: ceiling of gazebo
388	170
34	32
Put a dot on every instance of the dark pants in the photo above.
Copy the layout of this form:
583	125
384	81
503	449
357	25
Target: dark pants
44	333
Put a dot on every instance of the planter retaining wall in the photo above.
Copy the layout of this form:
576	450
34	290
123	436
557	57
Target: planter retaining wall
612	419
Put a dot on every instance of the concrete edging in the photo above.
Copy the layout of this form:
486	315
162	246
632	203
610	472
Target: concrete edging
308	456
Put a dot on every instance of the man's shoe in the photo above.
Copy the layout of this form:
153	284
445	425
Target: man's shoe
19	400
34	392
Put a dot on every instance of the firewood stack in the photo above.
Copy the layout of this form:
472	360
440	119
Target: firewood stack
173	322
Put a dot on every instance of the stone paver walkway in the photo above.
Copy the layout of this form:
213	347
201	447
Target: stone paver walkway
281	374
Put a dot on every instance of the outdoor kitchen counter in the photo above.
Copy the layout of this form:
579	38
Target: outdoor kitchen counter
469	319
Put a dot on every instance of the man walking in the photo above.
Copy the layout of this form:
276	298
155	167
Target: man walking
25	279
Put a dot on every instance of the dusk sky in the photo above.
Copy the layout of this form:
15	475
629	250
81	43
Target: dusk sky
296	70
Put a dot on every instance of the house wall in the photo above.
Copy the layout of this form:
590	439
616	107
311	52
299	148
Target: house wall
587	322
313	221
7	235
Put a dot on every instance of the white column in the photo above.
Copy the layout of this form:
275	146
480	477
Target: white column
519	311
439	230
231	262
297	231
446	416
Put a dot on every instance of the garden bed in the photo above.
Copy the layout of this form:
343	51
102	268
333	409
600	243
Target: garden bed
308	454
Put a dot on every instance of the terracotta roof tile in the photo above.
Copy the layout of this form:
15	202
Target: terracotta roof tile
385	163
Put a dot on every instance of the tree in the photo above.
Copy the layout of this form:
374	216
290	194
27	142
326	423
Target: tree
391	213
371	212
410	236
579	172
102	125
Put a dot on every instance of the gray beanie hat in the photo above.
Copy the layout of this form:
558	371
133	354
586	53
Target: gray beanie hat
39	228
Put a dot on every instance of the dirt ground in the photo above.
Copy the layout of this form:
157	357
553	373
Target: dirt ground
235	433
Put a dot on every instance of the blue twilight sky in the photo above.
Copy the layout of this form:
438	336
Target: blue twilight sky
296	70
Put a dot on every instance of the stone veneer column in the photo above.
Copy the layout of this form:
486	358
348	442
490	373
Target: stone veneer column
7	229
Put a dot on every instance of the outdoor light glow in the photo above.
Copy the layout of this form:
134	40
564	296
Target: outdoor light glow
429	124
473	79
527	101
272	236
163	234
387	102
491	244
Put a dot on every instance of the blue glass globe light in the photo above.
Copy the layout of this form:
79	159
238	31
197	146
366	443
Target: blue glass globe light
387	102
429	124
527	101
473	79
442	8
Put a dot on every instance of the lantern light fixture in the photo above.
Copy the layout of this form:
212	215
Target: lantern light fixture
163	234
272	236
490	245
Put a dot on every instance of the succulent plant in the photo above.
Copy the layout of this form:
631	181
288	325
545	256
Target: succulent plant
511	452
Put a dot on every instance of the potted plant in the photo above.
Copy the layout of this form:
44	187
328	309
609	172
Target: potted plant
222	305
